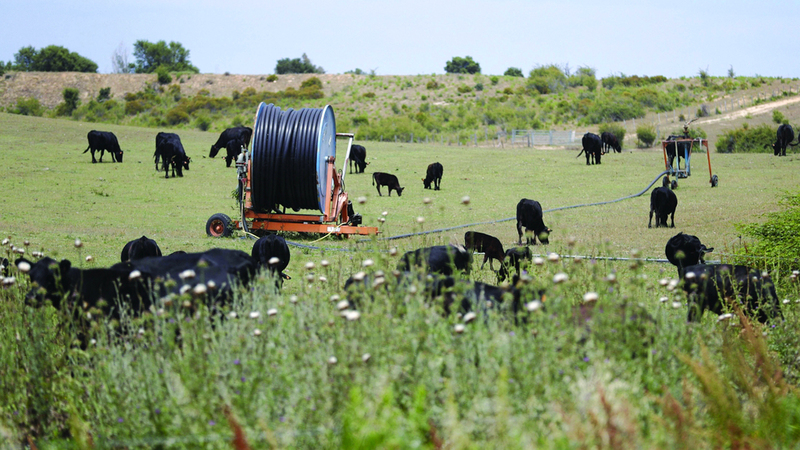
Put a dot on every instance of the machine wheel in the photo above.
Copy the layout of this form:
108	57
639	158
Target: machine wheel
714	181
674	184
219	225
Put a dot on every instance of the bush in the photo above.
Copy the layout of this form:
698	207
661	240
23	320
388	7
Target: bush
104	94
177	116
464	89
616	129
432	85
134	107
494	79
646	133
778	117
27	106
462	65
360	120
746	140
272	78
203	122
778	238
163	75
547	79
479	86
514	72
70	104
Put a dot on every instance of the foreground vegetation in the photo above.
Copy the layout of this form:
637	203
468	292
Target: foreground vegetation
628	372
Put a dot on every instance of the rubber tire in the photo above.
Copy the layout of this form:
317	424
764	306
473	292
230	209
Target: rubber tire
219	225
674	184
714	181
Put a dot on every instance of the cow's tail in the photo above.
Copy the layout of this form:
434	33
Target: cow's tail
87	149
373	179
579	154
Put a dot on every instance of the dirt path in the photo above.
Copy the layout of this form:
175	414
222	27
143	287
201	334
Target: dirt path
753	111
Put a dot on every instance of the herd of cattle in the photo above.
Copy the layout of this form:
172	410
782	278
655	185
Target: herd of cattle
140	281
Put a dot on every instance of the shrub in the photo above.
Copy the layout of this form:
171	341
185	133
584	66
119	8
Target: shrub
646	133
163	75
369	95
360	120
272	78
133	107
177	116
547	79
616	129
104	94
432	85
27	106
70	104
464	89
778	238
746	140
203	122
462	65
778	117
514	72
479	86
494	79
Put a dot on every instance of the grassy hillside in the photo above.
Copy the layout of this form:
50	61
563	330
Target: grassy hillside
453	108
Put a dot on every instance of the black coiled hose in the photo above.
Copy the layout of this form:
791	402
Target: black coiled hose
284	159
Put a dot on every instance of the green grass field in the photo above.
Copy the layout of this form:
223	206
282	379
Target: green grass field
628	373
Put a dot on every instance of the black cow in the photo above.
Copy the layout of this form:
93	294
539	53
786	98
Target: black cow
103	141
441	259
140	248
676	148
389	180
610	141
169	150
592	146
663	202
712	286
529	215
491	247
242	134
358	155
268	247
433	175
785	136
514	256
233	148
684	250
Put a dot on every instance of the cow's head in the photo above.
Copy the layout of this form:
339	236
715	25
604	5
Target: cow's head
427	183
544	235
119	156
400	191
214	151
50	279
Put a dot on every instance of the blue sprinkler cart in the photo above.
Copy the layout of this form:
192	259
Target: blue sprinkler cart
684	146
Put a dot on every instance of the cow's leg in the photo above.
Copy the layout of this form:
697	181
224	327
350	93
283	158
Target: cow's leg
673	220
485	258
94	161
379	190
519	231
650	222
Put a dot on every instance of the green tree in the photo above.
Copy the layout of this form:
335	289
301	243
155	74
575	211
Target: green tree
547	79
71	99
297	65
462	65
173	57
514	72
52	58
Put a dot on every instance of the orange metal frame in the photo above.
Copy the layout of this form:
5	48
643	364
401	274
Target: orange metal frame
703	142
333	220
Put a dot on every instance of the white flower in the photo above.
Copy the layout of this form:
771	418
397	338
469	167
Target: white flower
293	299
378	282
385	213
381	219
325	263
211	285
232	314
5	241
185	288
426	200
334	298
359	276
590	297
255	315
274	260
469	317
611	278
663	281
332	360
725	316
690	276
89	258
420	219
465	199
367	263
663	299
323	279
342	305
272	312
78	243
786	301
676	305
256	332
553	257
141	331
393	251
534	305
352	315
673	283
309	265
365	357
538	260
560	278
24	267
188	273
362	200
459	328
200	289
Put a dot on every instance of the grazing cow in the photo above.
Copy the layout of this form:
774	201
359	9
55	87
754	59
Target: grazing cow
441	259
713	286
171	153
389	180
785	136
514	256
610	141
529	215
663	202
433	175
140	248
491	247
242	134
358	155
675	148
684	250
233	148
592	146
268	247
102	141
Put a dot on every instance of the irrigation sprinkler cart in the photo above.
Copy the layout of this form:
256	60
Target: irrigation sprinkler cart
686	146
337	215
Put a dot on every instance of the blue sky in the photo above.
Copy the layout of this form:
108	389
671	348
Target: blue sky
670	38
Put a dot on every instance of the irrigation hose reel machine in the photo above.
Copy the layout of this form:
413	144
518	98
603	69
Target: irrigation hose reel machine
290	164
